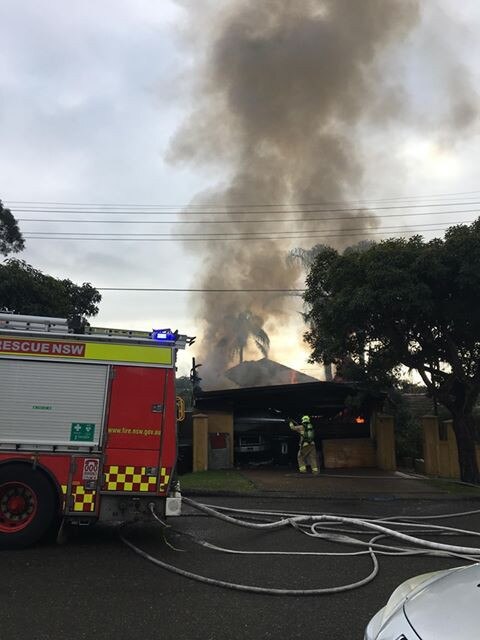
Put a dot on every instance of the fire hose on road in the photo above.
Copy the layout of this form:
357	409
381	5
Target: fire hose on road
344	529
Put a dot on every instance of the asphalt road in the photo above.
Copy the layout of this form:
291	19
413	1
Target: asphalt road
93	586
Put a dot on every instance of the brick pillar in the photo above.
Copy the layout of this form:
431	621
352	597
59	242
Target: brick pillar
200	442
222	422
385	436
431	445
453	464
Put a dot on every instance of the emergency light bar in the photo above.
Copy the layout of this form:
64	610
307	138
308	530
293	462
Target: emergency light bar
164	335
16	323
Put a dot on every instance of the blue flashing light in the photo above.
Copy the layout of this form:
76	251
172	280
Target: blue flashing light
164	335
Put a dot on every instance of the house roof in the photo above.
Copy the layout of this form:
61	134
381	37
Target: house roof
419	404
292	399
265	372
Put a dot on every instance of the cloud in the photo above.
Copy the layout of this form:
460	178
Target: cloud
88	104
92	93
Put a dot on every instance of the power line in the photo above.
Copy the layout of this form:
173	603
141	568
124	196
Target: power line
278	211
225	234
271	220
227	239
188	290
242	205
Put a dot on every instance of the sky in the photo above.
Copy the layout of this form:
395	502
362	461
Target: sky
93	96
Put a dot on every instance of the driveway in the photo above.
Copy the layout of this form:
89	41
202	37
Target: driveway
348	483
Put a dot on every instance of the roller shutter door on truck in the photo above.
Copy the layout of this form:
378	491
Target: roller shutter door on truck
51	403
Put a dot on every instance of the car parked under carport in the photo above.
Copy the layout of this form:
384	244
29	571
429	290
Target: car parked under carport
261	414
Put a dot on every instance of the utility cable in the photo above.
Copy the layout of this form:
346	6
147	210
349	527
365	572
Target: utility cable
353	218
297	235
209	212
189	290
255	220
242	234
435	196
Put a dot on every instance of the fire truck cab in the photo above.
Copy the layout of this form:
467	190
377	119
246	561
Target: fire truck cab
87	425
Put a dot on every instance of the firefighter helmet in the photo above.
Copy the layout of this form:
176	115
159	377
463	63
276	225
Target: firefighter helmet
306	419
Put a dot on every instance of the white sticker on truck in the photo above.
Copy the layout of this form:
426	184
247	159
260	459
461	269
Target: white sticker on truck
91	467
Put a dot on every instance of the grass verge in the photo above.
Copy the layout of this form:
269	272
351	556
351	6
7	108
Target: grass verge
455	488
216	480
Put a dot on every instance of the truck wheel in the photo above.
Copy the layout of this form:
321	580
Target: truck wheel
28	506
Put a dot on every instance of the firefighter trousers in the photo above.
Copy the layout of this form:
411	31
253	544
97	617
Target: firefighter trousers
307	455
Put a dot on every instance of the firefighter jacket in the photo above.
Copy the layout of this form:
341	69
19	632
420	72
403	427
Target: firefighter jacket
306	431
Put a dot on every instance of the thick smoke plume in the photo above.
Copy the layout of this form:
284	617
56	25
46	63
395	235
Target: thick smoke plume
281	92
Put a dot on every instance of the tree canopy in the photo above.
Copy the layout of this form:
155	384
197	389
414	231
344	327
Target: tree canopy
306	258
406	302
239	329
26	290
11	239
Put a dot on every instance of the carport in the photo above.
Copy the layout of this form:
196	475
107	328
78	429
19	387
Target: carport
251	424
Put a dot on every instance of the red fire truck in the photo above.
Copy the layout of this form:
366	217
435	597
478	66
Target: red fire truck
87	425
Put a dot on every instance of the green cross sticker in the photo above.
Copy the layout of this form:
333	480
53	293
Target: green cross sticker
82	432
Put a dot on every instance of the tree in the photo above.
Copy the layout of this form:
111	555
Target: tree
26	290
11	240
306	258
239	329
408	432
406	303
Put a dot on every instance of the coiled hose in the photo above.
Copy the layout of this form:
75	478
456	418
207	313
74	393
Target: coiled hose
325	527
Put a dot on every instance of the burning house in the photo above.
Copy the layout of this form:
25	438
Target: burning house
265	372
286	96
254	422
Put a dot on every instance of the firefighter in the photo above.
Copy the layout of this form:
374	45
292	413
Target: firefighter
307	453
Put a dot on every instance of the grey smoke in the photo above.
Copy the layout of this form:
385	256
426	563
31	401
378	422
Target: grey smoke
282	89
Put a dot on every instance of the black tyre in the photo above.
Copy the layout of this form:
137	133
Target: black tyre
28	506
